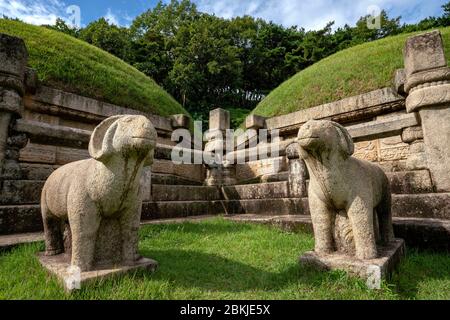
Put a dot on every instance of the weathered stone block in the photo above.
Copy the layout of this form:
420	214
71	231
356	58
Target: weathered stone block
36	171
393	148
60	267
367	150
297	175
10	170
436	130
187	171
255	122
170	179
185	193
429	205
20	219
411	134
146	184
410	182
285	206
258	168
13	61
8	242
180	121
178	209
372	270
219	119
417	158
384	126
424	52
38	153
256	191
399	81
31	80
21	192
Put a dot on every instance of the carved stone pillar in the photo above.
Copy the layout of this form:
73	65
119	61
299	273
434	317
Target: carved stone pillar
219	173
417	158
297	173
13	62
428	88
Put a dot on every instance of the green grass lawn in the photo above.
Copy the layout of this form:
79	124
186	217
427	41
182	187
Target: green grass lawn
217	259
69	64
350	72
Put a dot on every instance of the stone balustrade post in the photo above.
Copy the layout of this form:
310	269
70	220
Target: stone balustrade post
13	63
417	159
297	173
428	88
219	173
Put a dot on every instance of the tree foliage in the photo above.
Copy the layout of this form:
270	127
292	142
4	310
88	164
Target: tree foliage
205	61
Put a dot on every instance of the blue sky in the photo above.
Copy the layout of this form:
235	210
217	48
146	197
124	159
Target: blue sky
309	14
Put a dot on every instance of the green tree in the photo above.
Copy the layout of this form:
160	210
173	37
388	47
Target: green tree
363	33
445	19
207	68
109	37
205	61
62	26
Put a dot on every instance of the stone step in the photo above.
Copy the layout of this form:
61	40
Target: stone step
20	219
179	209
429	205
9	241
27	218
273	190
410	182
421	233
266	178
185	193
20	191
282	206
170	179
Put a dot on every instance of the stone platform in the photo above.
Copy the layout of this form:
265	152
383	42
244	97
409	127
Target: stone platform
370	270
72	279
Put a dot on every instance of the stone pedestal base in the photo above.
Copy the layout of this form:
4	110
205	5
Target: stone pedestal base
370	270
72	279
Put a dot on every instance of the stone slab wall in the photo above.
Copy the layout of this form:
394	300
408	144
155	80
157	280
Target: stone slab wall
376	120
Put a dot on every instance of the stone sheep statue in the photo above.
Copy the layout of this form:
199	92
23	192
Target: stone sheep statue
344	193
100	198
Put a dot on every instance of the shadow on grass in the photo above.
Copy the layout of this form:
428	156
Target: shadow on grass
419	271
190	269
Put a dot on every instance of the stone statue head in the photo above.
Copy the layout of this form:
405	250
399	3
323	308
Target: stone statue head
123	135
318	136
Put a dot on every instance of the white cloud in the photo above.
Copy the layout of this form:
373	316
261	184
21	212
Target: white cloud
315	14
111	17
33	11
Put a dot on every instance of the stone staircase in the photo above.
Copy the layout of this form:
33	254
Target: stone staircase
421	216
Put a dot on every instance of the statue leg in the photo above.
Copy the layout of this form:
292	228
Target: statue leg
360	214
384	213
53	234
84	224
129	224
323	219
